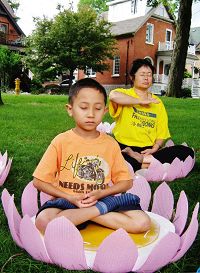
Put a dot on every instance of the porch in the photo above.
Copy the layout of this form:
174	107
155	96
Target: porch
161	81
164	55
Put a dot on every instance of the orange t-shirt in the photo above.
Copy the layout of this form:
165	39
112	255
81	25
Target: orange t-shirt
77	165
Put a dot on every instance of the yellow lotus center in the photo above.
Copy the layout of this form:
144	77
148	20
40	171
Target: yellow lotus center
94	234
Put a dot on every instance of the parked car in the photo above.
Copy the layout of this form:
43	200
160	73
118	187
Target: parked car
65	83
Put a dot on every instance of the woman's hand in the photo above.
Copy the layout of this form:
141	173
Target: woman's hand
154	149
148	101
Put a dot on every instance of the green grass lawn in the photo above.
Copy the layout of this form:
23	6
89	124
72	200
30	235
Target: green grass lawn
27	125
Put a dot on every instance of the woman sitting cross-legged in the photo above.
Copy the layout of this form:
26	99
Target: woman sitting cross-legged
141	121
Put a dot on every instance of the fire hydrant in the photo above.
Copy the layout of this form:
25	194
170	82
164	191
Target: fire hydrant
17	86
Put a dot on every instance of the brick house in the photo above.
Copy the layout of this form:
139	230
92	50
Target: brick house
195	40
10	33
141	32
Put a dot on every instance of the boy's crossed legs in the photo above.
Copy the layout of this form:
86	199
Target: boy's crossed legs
130	217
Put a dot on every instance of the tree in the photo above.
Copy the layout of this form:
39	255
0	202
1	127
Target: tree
14	4
69	41
98	5
180	50
181	42
10	64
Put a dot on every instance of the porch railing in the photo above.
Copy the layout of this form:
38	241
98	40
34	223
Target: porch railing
14	40
160	78
165	46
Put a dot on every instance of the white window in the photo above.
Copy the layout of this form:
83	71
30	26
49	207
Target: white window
168	39
90	72
149	33
116	65
3	28
134	4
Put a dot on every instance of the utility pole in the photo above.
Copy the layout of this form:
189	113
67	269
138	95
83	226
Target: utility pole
71	5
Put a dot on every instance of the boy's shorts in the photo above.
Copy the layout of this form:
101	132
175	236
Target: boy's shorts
63	204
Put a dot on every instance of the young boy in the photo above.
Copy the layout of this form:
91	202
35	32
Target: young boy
78	166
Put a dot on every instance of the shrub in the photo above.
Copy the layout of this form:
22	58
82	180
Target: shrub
186	93
187	74
36	87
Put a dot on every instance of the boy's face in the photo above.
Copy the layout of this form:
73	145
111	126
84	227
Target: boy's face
88	109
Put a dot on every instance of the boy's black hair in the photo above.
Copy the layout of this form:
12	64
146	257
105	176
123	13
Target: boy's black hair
86	83
139	63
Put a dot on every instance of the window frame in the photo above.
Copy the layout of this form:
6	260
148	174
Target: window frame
150	41
91	74
6	28
116	66
168	42
134	6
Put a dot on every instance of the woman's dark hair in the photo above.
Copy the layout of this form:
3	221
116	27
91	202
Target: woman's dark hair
139	63
86	83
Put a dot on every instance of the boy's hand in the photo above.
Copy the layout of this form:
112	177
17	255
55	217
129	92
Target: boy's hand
92	197
78	199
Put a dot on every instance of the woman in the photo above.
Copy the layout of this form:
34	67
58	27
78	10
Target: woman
141	121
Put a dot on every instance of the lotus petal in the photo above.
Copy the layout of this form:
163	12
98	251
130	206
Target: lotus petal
155	171
3	161
64	244
163	201
112	126
117	253
104	127
184	144
5	172
14	220
44	197
189	236
29	193
32	241
162	253
5	198
174	170
142	188
169	143
187	165
181	215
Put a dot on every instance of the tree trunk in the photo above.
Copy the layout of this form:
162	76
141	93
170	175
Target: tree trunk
180	49
1	102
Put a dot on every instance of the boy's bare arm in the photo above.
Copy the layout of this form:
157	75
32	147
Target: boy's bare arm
55	192
121	186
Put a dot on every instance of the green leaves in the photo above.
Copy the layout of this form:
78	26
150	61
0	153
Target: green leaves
69	41
98	5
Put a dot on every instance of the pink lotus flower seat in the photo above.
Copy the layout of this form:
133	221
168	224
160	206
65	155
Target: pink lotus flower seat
106	127
5	165
157	171
63	244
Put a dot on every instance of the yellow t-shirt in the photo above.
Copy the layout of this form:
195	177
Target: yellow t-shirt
137	125
77	165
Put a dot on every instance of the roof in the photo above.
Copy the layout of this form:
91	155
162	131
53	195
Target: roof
128	26
131	26
9	12
8	7
194	36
